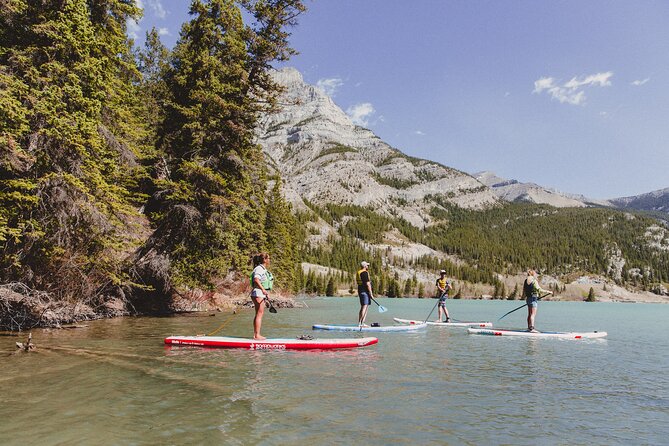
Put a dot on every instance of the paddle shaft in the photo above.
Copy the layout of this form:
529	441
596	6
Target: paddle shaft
516	309
435	306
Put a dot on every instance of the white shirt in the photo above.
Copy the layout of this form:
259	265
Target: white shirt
260	273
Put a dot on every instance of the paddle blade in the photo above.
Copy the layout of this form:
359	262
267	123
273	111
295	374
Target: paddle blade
382	309
269	304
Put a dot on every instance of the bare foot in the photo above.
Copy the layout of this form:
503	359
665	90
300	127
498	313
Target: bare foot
259	338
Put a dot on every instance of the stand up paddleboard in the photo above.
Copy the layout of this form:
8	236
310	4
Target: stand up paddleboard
540	334
445	324
269	344
371	328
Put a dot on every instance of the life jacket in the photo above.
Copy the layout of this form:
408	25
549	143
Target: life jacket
358	276
443	283
528	289
268	283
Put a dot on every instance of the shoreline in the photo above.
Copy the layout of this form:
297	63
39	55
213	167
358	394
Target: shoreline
22	313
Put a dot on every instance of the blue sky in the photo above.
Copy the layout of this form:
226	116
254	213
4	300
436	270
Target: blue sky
570	94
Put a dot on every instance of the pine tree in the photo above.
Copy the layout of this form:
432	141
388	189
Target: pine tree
281	232
591	296
212	210
330	289
407	288
69	136
514	293
421	291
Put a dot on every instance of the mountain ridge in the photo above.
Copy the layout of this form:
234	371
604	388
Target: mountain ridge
513	190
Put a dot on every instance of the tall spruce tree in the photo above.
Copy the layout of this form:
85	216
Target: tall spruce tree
67	142
212	206
283	237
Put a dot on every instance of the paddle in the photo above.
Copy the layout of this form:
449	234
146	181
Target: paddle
515	309
435	306
270	305
382	309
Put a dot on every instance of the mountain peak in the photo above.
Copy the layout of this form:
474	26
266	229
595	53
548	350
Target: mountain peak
325	158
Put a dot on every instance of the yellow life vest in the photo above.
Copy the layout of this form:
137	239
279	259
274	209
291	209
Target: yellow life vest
358	277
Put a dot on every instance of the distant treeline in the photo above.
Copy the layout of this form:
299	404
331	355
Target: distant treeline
503	239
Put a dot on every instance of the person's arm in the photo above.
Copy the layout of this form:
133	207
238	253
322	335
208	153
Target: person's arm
369	284
540	290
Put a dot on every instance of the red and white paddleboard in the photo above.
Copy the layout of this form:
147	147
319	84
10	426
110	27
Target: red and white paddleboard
269	344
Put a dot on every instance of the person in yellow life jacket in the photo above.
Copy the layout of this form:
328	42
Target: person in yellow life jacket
261	284
443	287
531	291
364	292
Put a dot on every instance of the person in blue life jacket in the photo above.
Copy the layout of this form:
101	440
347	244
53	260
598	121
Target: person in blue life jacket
532	291
443	287
261	284
364	292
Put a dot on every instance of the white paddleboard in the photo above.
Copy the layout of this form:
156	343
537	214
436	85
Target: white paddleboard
373	329
445	324
539	334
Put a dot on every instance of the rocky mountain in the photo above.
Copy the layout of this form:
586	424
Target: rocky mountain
324	157
657	201
513	190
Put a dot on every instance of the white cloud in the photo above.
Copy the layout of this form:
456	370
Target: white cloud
133	29
599	79
163	32
638	83
330	86
360	113
157	8
419	133
572	92
139	3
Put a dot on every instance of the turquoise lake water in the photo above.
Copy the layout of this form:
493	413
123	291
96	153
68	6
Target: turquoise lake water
114	382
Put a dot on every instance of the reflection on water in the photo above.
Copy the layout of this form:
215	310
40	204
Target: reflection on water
115	382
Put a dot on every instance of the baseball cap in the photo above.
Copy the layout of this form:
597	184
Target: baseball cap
443	271
364	264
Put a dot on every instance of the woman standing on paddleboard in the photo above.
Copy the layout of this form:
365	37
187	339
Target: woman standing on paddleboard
261	282
531	291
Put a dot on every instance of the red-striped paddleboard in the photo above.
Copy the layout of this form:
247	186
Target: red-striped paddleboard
270	344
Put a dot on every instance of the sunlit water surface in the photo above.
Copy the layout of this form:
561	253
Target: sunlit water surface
115	382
